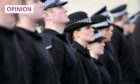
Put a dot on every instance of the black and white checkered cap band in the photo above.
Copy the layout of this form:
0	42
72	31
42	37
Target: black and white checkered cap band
119	13
98	35
49	3
132	20
105	13
86	20
101	24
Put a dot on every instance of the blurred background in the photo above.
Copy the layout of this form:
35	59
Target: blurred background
91	6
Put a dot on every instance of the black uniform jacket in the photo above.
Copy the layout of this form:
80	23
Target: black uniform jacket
121	45
137	43
131	69
91	70
110	60
13	67
106	78
40	62
68	65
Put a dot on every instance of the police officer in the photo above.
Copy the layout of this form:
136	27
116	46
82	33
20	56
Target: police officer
109	58
69	68
121	45
96	49
80	33
41	69
12	61
129	28
137	42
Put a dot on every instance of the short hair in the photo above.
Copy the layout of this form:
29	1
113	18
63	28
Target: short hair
70	36
120	17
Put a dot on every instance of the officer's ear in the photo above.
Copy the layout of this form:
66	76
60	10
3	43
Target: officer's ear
46	15
76	34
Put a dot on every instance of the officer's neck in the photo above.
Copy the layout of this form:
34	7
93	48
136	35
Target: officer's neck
27	24
4	20
59	28
119	23
93	55
83	43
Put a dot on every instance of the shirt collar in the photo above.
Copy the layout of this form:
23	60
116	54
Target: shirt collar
81	49
24	31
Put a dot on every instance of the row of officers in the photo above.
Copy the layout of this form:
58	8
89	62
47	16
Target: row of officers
74	49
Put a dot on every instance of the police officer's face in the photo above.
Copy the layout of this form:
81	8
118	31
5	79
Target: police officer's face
8	18
38	12
129	28
58	15
107	33
125	18
132	26
97	48
86	33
